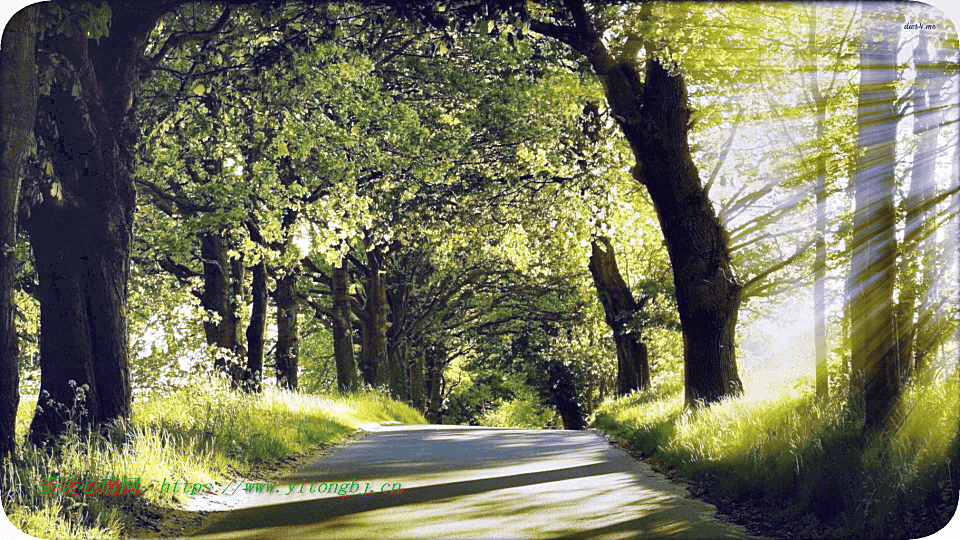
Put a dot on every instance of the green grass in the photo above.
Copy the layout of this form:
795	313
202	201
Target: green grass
202	433
807	457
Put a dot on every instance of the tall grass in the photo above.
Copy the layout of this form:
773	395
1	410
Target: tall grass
203	433
809	457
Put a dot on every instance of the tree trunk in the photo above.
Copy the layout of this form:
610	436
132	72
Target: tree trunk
820	191
288	335
368	359
564	395
708	295
875	378
18	108
343	332
417	381
434	362
252	376
654	117
402	366
219	299
916	334
376	339
82	229
619	307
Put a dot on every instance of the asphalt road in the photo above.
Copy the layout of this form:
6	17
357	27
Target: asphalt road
466	482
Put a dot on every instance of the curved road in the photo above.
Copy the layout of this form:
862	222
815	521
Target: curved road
467	482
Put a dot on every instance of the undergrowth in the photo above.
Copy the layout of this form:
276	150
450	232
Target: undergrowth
809	457
203	432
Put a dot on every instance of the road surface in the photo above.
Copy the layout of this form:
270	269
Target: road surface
469	482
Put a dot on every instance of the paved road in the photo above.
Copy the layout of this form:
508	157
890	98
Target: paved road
464	482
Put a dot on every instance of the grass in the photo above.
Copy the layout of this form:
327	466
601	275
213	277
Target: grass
808	457
204	432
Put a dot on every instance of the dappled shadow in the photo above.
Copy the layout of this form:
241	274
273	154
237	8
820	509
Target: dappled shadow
476	483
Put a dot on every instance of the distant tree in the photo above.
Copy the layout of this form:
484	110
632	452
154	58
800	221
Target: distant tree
620	309
341	321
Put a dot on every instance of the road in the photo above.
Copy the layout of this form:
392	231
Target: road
468	482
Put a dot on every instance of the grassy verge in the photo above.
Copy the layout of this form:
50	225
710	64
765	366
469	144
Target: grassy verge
806	458
203	433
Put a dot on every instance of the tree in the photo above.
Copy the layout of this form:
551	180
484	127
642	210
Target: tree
875	377
820	190
81	231
633	369
917	327
288	335
18	105
654	117
343	331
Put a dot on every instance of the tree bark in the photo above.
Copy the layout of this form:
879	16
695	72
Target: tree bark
18	108
253	374
288	334
375	342
343	332
654	117
708	295
219	299
820	191
434	356
875	378
401	365
619	307
82	229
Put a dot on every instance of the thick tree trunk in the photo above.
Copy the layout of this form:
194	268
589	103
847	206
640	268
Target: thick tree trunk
417	381
288	334
619	307
368	359
875	378
82	229
219	298
252	376
18	109
343	332
654	117
708	295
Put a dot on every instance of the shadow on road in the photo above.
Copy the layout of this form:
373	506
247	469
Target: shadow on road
461	482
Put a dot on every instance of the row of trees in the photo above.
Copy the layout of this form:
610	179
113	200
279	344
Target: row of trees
416	178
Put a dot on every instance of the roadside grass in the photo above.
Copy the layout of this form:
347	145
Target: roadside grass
203	433
807	457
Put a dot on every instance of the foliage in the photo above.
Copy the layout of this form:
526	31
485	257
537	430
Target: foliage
475	397
525	411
